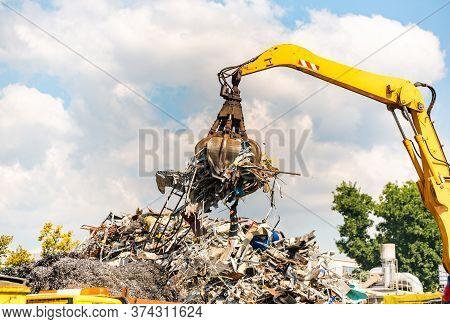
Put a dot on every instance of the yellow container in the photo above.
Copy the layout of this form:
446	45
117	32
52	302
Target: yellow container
73	296
424	298
11	293
53	298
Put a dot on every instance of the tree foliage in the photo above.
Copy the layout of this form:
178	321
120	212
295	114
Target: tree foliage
12	258
5	241
355	239
403	220
407	223
54	240
18	257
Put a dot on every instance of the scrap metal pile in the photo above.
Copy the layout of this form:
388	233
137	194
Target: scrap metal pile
259	265
208	183
204	260
227	166
65	271
127	238
219	261
203	185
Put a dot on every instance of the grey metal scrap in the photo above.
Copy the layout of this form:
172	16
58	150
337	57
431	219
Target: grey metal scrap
144	279
215	268
218	261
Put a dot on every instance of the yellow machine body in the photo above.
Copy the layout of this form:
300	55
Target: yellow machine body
398	94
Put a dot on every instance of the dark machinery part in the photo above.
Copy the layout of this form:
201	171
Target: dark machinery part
433	95
225	139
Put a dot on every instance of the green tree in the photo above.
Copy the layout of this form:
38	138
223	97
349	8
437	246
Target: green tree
403	220
406	222
355	239
54	240
18	257
5	240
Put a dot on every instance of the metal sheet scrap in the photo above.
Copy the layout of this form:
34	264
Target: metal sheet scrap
206	184
258	265
219	261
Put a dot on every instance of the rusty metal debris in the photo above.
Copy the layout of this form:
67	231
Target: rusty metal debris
227	166
202	185
258	265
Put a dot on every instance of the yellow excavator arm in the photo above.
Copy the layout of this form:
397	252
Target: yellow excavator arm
398	94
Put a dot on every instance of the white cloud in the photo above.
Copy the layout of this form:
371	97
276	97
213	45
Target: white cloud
75	163
353	38
40	180
29	122
24	107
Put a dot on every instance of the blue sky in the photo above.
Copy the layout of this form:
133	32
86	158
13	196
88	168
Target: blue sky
407	12
69	134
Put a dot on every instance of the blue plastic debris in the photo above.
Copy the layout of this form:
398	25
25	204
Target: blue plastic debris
239	191
261	242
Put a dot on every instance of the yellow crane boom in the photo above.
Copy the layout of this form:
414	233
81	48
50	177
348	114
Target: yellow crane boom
430	162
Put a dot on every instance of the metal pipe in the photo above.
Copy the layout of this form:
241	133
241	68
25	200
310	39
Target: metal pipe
398	124
410	120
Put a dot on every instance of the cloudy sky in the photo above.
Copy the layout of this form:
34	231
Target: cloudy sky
69	132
